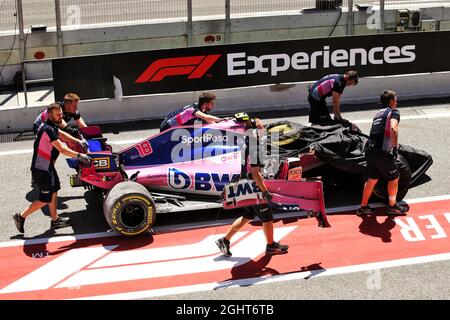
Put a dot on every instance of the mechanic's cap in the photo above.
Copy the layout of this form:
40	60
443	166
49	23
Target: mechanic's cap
242	116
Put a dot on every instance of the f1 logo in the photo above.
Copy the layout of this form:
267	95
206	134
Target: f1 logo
195	67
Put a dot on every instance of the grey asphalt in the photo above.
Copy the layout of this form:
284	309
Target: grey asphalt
428	281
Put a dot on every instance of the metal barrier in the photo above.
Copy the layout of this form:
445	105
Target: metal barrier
88	14
269	7
8	16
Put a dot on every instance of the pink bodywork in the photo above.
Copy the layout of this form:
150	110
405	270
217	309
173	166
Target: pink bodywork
301	194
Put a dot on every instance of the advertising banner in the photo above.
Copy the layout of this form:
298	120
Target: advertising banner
241	65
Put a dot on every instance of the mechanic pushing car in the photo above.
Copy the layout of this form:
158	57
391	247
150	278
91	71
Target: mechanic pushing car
188	114
330	85
70	111
381	152
47	147
264	212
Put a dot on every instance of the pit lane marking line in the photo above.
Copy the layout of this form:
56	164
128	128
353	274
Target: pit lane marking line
14	152
132	141
58	270
273	279
15	243
243	252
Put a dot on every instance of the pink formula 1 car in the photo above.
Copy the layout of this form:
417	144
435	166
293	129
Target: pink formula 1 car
190	168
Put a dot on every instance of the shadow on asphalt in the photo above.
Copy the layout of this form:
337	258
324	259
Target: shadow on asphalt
371	227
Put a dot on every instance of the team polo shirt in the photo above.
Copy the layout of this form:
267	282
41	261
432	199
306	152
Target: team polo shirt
325	87
380	133
44	153
67	116
183	116
252	153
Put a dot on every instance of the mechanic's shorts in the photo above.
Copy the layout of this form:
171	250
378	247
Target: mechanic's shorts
380	163
318	111
263	212
47	182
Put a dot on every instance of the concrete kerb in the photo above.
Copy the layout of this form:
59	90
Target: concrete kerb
256	98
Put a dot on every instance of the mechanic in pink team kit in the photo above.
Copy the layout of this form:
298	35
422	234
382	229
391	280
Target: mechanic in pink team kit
332	85
47	147
70	111
254	162
381	152
188	114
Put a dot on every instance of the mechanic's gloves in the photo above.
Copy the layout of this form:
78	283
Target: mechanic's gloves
85	159
226	119
72	131
84	144
394	153
267	196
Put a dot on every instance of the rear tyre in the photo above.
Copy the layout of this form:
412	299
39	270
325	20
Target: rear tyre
129	208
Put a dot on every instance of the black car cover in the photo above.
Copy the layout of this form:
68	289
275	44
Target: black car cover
343	149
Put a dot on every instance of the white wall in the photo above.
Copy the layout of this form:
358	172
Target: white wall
257	98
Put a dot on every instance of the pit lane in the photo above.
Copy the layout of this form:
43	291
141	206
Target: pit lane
424	126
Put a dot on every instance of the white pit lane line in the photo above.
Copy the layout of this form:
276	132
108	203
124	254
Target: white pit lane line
132	141
190	226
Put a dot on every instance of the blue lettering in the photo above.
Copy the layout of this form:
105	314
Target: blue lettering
219	183
243	189
231	193
202	181
178	179
255	187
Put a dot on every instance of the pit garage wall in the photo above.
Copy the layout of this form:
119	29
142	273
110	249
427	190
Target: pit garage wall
256	98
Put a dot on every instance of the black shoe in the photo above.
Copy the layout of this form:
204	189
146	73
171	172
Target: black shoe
61	222
276	248
19	221
397	210
364	210
224	246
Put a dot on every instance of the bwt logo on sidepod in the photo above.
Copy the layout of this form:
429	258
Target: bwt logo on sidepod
202	181
195	67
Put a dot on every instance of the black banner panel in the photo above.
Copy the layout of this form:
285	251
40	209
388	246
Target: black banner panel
240	65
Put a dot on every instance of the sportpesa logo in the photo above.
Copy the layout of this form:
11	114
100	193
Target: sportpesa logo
239	63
